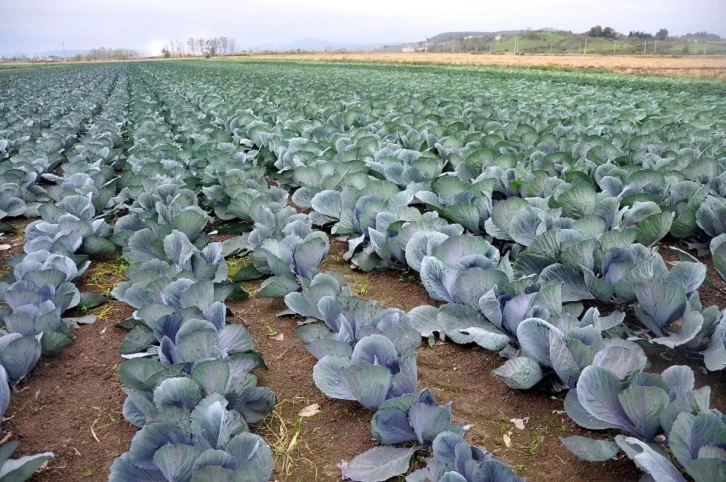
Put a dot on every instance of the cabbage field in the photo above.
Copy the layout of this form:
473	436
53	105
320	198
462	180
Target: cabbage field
550	243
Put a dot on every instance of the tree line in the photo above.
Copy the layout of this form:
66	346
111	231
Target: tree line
103	53
609	32
200	47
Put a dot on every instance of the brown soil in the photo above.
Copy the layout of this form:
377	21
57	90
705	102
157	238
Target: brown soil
16	241
71	405
691	66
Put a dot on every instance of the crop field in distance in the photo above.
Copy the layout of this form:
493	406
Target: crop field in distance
712	66
328	267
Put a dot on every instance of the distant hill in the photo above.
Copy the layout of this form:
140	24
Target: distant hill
562	42
447	36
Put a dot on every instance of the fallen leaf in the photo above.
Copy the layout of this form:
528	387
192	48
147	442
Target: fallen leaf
309	411
519	422
278	337
507	440
5	247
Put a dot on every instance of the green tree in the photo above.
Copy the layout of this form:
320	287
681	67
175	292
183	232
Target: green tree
595	31
662	34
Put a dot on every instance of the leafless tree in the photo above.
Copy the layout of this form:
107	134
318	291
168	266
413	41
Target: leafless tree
231	45
191	43
212	47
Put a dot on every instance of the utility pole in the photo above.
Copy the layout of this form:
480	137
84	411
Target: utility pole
655	46
585	52
645	46
579	45
490	47
615	42
426	48
65	59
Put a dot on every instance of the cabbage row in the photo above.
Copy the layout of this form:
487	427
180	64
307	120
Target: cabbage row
78	139
188	375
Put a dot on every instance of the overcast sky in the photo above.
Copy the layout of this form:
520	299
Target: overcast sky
30	26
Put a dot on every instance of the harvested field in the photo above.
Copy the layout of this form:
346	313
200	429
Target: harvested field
691	66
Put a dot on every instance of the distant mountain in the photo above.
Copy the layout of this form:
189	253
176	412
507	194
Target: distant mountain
315	44
546	41
46	53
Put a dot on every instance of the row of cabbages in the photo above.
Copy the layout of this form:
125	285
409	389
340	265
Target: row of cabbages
39	110
35	132
188	375
82	144
575	210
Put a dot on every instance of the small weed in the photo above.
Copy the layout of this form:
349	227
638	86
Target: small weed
87	472
102	312
536	444
362	286
286	441
106	274
408	277
519	467
235	264
271	331
549	423
249	288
